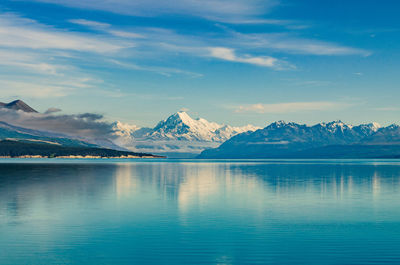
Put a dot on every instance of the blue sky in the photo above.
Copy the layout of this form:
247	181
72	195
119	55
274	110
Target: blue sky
234	62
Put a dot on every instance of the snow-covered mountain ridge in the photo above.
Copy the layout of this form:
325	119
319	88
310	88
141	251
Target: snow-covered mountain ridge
288	140
180	126
178	133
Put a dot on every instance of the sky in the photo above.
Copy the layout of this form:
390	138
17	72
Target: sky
229	61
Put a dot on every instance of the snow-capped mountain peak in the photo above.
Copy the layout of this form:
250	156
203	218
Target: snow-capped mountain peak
183	116
124	129
180	126
338	125
393	126
177	133
278	124
374	126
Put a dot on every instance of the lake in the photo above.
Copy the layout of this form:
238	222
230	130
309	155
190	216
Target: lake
199	211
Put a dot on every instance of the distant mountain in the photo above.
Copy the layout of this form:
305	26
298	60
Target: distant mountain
328	140
178	134
180	126
11	132
8	131
17	105
17	141
387	135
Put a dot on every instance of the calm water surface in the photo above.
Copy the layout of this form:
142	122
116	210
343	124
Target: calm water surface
199	212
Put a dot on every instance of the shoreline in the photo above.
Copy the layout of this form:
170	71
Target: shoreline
80	157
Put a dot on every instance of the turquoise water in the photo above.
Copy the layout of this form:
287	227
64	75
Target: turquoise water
199	212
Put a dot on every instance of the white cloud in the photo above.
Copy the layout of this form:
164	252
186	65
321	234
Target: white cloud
90	23
152	41
228	54
229	11
126	34
10	88
56	53
86	125
52	110
291	107
39	87
288	24
280	22
105	27
30	62
166	71
18	32
246	48
40	61
289	43
211	9
314	47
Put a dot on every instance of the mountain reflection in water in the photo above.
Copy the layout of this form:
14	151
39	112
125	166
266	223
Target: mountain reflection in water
228	212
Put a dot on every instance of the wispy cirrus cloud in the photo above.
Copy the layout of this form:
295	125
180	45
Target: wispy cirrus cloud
312	47
39	87
36	48
289	107
228	54
166	71
90	23
13	88
105	27
293	44
41	61
126	34
229	45
210	9
158	38
19	32
29	62
282	23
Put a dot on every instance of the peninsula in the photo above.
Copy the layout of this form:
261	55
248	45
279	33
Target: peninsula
19	149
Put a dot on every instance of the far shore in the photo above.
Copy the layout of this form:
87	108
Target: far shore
83	157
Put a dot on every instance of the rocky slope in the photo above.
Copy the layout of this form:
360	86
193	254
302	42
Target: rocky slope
17	105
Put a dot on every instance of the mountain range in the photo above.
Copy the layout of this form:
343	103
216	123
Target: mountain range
17	141
324	140
179	135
